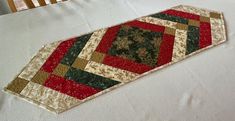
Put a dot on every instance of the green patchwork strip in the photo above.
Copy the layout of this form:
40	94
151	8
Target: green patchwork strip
170	18
90	79
192	39
73	52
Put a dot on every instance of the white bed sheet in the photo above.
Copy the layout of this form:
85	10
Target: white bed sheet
200	88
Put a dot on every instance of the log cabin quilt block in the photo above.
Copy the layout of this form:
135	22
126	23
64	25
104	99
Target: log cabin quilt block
67	73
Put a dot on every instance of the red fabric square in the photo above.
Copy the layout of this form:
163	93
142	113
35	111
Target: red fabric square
70	87
166	50
58	54
182	14
205	35
128	65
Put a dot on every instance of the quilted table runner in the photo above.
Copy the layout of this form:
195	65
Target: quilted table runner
67	73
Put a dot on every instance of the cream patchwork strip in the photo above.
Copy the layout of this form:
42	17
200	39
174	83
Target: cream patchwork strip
217	30
110	72
48	98
179	49
158	21
193	10
35	64
91	45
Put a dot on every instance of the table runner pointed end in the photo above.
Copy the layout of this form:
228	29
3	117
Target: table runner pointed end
67	73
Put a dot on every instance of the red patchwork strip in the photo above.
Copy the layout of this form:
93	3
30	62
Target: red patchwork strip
57	55
128	65
182	14
166	50
70	87
205	35
107	39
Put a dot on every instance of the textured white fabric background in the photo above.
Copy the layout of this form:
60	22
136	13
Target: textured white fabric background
201	88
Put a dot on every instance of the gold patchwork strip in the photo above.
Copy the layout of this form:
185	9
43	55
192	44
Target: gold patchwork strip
80	63
17	85
61	70
179	49
48	98
35	64
110	72
40	77
92	43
